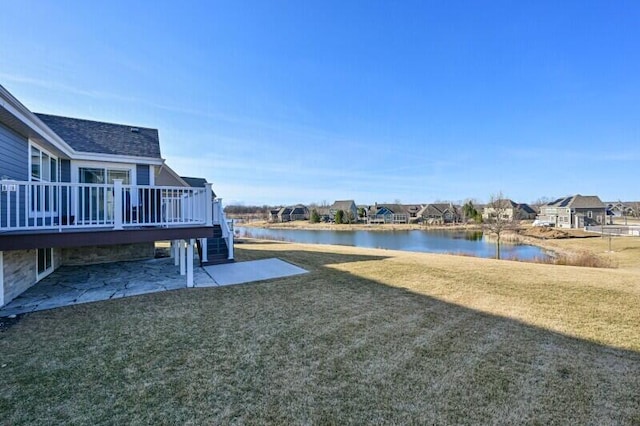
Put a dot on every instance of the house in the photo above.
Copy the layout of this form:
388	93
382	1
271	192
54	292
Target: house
324	214
76	191
575	211
273	215
288	214
363	211
412	211
622	208
299	212
512	211
284	214
347	206
388	213
440	214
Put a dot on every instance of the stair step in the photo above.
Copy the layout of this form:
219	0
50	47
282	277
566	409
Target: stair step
217	262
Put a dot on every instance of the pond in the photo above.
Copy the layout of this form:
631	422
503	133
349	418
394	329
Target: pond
472	243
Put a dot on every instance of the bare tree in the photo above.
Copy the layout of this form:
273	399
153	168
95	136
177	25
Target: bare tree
500	217
542	201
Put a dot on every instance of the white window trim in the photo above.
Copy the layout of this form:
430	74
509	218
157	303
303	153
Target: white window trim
33	213
48	271
152	176
51	156
77	165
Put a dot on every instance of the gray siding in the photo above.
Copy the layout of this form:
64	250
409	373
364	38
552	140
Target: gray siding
14	164
65	171
14	161
142	174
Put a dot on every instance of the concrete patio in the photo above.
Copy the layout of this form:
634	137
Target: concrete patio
70	285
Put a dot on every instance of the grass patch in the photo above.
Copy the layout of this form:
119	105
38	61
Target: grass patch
368	336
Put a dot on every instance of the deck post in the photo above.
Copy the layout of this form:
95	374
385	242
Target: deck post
175	249
203	245
183	259
208	201
190	262
117	203
230	246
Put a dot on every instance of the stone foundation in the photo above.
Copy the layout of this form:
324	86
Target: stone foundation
105	254
19	272
20	269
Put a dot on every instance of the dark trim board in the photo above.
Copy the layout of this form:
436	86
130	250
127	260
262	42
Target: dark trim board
94	237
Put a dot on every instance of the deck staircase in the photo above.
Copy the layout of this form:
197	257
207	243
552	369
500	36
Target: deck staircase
217	250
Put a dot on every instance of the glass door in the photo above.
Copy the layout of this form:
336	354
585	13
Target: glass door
97	202
92	198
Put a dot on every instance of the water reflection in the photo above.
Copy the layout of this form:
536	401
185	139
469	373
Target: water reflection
472	243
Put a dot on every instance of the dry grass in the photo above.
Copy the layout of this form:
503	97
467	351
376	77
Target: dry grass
624	252
368	336
583	259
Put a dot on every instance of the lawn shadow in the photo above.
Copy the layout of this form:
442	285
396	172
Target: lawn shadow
477	365
328	347
309	260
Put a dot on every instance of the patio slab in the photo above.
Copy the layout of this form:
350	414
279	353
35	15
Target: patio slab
70	285
251	271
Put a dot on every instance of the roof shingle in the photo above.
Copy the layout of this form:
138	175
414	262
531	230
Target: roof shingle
104	138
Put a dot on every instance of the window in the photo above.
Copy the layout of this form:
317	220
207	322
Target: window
103	175
44	260
97	202
590	214
118	174
44	168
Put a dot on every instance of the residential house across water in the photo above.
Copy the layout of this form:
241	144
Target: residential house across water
575	211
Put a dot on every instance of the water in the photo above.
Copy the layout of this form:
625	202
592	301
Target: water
472	243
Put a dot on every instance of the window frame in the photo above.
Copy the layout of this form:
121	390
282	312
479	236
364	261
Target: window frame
53	177
48	252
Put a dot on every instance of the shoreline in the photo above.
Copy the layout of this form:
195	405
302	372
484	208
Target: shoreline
549	245
307	226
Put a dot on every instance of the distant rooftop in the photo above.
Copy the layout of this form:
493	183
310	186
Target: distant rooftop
196	182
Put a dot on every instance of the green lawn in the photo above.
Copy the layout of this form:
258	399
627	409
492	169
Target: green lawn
368	336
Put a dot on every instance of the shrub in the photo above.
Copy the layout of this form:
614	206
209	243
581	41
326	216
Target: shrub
315	217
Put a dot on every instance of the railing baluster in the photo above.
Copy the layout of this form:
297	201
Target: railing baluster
65	205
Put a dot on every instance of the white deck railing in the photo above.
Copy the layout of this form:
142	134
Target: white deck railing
59	205
219	218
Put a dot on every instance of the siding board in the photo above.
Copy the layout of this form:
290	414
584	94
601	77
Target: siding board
14	164
15	155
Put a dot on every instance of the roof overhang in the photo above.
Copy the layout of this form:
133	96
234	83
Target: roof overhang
28	124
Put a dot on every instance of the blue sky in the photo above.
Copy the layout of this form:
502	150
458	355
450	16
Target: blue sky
284	102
